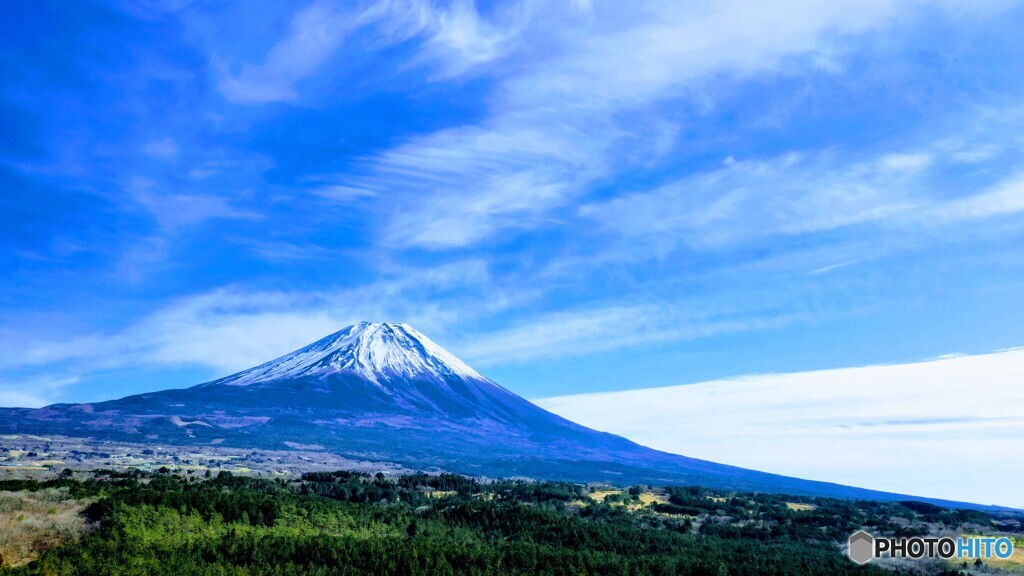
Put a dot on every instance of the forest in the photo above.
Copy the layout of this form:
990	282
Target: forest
345	523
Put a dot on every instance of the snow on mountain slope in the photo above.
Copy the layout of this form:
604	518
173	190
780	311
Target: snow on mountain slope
370	350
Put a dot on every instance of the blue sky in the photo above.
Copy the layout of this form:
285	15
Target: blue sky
572	196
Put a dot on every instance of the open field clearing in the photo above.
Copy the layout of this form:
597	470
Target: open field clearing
649	498
620	498
601	495
1014	564
33	522
441	493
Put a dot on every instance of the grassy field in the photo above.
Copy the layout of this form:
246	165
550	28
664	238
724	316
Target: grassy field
33	522
441	493
1013	565
648	498
601	495
620	498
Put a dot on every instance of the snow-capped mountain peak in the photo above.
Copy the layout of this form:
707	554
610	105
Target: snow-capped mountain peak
370	350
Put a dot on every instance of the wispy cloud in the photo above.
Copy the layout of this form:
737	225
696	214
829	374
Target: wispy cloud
568	333
791	194
315	34
906	162
230	328
222	331
561	122
803	193
33	392
164	149
1005	197
662	50
284	252
454	39
201	173
947	425
614	328
341	193
566	121
175	210
461	186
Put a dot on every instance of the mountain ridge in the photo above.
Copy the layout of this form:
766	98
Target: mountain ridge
385	392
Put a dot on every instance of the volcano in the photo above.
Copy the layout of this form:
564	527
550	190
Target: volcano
385	392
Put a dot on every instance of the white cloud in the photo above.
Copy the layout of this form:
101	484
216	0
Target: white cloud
976	154
948	428
224	330
610	328
563	118
791	194
172	211
344	194
33	392
461	32
231	329
640	53
455	38
568	333
1006	197
233	341
575	114
798	193
176	210
906	162
457	187
315	34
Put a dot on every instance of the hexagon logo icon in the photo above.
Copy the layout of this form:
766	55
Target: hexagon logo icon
862	547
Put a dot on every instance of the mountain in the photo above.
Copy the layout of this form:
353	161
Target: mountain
385	392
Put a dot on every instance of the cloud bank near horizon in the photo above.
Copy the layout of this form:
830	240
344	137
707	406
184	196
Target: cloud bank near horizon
946	428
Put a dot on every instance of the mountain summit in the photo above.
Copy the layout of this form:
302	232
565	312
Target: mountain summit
375	372
386	393
374	351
